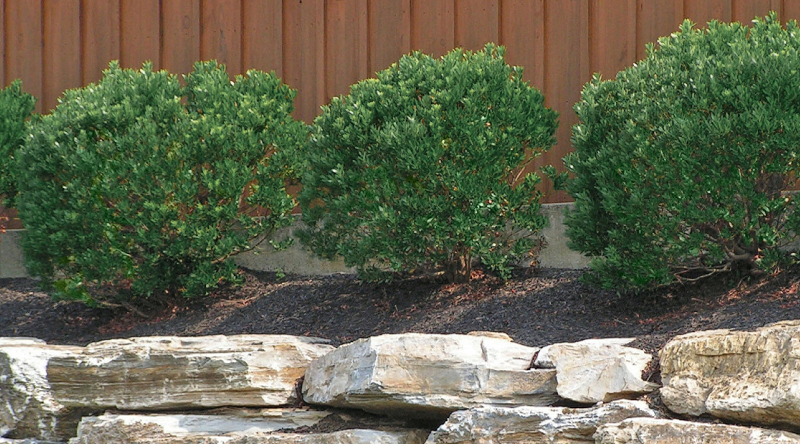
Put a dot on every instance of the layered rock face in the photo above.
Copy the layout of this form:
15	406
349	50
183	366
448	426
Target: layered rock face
662	431
428	375
161	373
750	377
171	390
597	370
28	407
501	425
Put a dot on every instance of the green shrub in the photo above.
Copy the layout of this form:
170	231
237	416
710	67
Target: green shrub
15	109
682	162
422	168
137	183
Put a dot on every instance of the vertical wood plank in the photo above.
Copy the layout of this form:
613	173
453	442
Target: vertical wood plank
221	33
99	37
389	32
262	35
703	11
566	71
613	36
745	11
61	50
140	33
522	33
304	50
180	47
433	26
656	18
3	81
477	22
345	45
24	46
790	10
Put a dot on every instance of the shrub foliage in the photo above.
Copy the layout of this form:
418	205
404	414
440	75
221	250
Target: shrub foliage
424	167
138	183
16	107
682	162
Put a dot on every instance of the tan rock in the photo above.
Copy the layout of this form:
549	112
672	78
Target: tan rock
159	373
427	376
750	377
26	441
355	436
533	425
28	408
662	431
219	427
597	370
491	334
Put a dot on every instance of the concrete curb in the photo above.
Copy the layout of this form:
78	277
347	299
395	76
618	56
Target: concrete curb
296	260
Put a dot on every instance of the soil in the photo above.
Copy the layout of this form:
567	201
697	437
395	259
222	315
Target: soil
536	307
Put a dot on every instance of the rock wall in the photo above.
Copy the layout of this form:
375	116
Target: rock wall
719	386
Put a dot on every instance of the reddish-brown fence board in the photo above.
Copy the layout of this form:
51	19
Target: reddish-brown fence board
180	45
61	49
320	47
99	37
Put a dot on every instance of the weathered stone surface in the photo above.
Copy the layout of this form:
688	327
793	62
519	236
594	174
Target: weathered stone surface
534	425
750	377
222	426
27	406
663	431
26	441
597	370
160	373
428	376
355	436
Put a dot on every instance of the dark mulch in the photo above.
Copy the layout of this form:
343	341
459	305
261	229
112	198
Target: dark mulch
536	307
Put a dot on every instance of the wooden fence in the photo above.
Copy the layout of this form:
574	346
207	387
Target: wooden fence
320	47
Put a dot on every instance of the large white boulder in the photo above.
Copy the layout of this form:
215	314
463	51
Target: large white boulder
597	370
428	376
218	427
160	373
533	425
28	408
750	377
663	431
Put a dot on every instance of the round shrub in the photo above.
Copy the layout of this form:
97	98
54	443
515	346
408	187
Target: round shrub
146	187
423	168
16	107
684	163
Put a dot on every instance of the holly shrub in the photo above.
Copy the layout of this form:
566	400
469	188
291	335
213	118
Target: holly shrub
684	163
138	184
423	168
16	107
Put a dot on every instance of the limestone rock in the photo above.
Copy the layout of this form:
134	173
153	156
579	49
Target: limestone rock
28	408
27	441
751	377
597	370
428	376
533	425
219	427
354	436
159	373
663	431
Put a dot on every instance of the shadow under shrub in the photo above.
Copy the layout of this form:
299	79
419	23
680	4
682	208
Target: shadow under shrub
684	163
148	187
423	168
